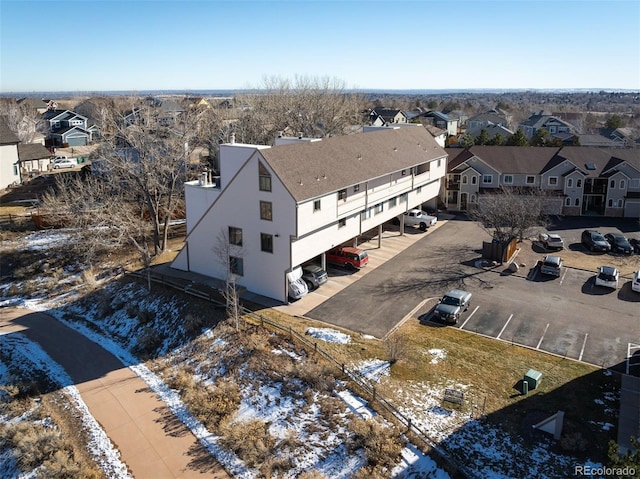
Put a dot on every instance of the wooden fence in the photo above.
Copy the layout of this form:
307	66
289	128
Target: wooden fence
358	382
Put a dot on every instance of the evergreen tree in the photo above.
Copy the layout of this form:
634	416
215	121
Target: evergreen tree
483	138
614	121
518	139
542	137
466	141
497	140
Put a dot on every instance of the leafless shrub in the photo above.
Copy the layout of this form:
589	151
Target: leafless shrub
397	346
382	445
181	380
89	279
250	440
312	475
318	375
193	323
146	316
275	466
103	306
32	443
212	405
132	310
149	341
332	411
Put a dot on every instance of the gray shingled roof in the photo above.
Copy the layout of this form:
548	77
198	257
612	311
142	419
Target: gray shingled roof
309	170
515	159
603	159
7	137
32	151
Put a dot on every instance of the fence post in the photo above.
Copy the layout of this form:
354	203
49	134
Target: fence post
342	368
373	388
408	424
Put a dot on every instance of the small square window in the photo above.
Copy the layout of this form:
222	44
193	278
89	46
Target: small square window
403	172
487	179
393	201
342	222
266	242
235	236
508	179
266	212
531	180
342	194
403	198
439	162
316	205
419	189
553	180
236	265
356	188
379	208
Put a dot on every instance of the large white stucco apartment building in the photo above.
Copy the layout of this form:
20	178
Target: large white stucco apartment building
279	207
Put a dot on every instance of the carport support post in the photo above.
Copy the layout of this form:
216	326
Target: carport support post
379	236
401	225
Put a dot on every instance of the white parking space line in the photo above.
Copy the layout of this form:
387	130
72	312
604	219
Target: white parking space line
467	320
543	333
563	276
504	327
584	343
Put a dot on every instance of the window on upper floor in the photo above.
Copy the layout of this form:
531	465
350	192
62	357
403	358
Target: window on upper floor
635	183
530	179
264	177
393	201
612	184
342	194
316	205
474	179
403	198
439	162
552	181
266	242
464	179
570	183
342	222
379	208
622	184
236	265
487	179
366	214
266	210
567	202
356	188
235	236
419	189
403	172
508	179
579	183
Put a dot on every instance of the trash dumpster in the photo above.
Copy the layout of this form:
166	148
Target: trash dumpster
532	378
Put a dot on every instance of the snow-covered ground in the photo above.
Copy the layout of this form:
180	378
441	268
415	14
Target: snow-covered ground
487	451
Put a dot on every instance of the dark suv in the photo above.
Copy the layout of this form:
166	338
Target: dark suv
594	241
314	276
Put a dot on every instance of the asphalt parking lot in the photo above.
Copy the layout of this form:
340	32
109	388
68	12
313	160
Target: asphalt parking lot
568	316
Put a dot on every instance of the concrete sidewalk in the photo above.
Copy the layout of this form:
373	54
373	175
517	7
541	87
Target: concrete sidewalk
152	442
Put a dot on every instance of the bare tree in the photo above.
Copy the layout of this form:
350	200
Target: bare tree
227	255
511	212
26	123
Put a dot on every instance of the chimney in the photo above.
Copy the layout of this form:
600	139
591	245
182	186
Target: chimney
300	135
232	139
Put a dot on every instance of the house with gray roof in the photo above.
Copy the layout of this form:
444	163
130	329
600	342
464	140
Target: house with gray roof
67	127
274	208
543	119
577	180
387	116
33	158
449	123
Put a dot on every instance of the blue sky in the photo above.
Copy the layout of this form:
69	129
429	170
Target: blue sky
376	44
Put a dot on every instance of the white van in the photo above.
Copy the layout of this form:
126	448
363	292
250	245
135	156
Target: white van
296	287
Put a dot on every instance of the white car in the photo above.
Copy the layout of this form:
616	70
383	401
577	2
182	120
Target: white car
551	240
635	282
419	218
608	277
65	163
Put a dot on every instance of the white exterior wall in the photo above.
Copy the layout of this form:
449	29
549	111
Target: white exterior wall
198	198
232	156
9	165
239	206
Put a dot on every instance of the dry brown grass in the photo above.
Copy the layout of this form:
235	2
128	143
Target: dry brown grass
382	445
250	440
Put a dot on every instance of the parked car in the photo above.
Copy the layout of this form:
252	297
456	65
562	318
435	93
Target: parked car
452	305
66	163
619	243
635	244
297	288
551	240
551	265
635	281
608	277
594	241
419	218
314	276
348	256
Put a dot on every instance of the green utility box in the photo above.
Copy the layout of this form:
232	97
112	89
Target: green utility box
533	378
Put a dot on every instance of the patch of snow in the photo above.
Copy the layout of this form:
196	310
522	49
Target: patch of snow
605	426
329	335
45	239
373	369
437	355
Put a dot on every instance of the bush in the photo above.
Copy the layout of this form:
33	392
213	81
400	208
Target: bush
212	405
32	443
312	475
149	341
146	316
397	346
381	444
318	375
250	440
103	306
193	323
132	310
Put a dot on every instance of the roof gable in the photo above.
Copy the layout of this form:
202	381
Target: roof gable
7	137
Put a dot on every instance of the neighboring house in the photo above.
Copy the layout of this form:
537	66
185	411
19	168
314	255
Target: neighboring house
301	198
542	119
9	164
491	117
387	116
33	157
443	121
439	134
67	127
578	180
37	104
491	129
161	112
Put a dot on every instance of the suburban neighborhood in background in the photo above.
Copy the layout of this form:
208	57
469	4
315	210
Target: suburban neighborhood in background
438	281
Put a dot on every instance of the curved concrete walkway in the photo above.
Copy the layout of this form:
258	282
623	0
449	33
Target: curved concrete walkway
152	442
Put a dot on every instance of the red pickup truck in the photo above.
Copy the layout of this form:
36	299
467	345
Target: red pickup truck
348	256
